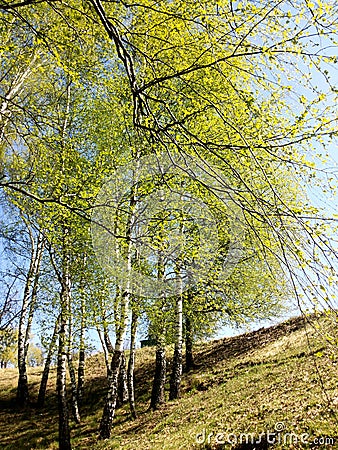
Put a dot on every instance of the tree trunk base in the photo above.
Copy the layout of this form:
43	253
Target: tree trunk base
157	395
110	404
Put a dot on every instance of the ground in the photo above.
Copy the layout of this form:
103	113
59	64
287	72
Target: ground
274	383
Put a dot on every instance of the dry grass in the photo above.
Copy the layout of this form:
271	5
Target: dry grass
243	384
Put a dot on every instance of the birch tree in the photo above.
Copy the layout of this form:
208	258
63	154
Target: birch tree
232	85
27	312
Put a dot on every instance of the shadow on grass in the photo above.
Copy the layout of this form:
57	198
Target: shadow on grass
237	346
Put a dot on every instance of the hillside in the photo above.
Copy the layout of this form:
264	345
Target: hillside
279	380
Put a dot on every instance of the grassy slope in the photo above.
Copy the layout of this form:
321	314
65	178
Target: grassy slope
243	384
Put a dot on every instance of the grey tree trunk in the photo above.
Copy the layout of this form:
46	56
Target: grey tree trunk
113	377
34	291
189	356
64	277
82	353
176	374
28	304
123	385
75	408
114	370
45	374
81	373
64	432
109	345
110	404
105	351
131	364
157	394
61	375
22	394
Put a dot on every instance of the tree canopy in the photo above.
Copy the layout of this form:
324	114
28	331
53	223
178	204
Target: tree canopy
173	142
